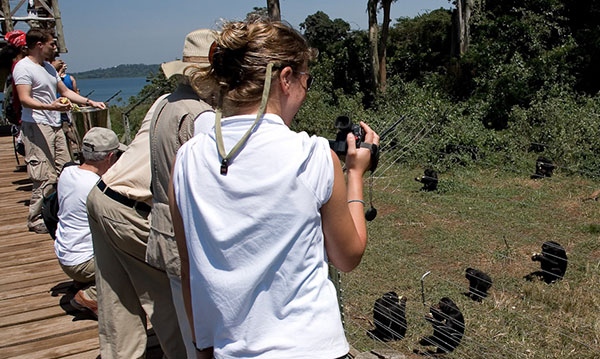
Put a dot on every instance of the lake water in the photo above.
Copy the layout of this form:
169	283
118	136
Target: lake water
105	88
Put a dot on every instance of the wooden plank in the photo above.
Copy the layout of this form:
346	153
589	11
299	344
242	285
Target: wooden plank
40	255
20	250
31	316
27	240
48	278
15	228
27	303
55	347
32	322
29	271
45	285
50	328
92	354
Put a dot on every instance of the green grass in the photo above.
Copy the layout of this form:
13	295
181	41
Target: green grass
490	220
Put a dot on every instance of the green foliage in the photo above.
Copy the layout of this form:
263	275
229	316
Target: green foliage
419	45
524	88
157	85
138	105
137	70
258	13
343	61
518	48
564	127
322	32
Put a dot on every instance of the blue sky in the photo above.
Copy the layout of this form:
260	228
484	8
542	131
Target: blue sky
106	33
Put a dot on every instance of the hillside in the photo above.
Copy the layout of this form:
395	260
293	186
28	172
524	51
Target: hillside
130	70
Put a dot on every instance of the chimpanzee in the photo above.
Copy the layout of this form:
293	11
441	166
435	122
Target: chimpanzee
543	168
389	315
429	180
479	283
553	260
448	326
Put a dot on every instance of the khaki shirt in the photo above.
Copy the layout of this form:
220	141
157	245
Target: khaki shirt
131	175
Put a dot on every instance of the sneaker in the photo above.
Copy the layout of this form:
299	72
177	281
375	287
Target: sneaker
39	228
82	303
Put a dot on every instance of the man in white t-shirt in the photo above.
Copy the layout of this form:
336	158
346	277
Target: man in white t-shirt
73	245
46	149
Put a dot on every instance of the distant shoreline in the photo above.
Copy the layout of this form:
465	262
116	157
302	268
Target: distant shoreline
121	71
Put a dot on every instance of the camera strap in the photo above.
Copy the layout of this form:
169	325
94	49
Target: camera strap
226	157
374	154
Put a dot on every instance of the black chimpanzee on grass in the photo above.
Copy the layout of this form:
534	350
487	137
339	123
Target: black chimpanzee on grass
429	180
543	168
448	327
553	260
479	283
389	315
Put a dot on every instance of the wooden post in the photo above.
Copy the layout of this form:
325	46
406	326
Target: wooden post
8	24
60	36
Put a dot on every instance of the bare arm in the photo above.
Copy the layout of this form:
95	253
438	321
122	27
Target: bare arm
183	254
185	267
24	92
74	84
344	223
75	97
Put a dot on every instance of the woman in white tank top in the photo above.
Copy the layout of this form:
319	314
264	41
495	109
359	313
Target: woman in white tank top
258	209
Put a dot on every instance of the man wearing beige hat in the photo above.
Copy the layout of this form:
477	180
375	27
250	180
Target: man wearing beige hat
168	131
129	290
119	206
73	244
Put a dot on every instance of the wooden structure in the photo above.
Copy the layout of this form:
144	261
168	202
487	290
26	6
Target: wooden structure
44	14
36	319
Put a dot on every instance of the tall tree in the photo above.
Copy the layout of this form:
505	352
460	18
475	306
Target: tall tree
385	5
378	45
460	22
274	10
373	39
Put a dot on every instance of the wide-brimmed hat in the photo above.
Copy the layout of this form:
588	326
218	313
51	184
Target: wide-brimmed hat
101	139
195	51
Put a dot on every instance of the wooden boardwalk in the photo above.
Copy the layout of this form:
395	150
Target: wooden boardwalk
36	319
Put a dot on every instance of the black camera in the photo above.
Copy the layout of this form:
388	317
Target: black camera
345	126
340	145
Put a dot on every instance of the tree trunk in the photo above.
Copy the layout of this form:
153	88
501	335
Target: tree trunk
460	24
385	4
467	9
373	38
274	10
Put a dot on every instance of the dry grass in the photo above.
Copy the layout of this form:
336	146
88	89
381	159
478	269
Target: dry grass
492	221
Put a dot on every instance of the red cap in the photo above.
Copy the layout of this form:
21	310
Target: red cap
16	38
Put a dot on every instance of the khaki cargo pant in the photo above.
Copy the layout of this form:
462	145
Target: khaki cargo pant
46	152
129	288
83	273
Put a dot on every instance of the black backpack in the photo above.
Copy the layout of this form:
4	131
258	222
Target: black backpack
8	109
50	208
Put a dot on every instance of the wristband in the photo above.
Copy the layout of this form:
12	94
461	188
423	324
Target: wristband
87	102
358	200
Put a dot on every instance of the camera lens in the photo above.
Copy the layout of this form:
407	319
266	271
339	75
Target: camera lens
342	123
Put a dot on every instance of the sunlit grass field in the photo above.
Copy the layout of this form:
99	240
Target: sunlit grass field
492	220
